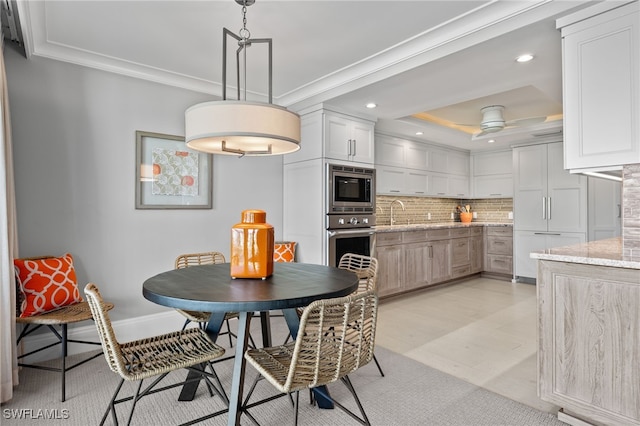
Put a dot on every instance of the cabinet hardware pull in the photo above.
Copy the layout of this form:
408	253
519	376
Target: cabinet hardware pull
549	208
394	190
495	194
352	147
545	233
619	210
430	252
544	207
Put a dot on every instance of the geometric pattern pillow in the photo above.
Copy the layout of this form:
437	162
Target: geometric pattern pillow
46	284
284	251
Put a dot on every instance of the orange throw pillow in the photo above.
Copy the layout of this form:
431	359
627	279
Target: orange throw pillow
284	251
46	284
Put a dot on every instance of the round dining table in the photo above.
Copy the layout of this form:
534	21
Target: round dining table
210	288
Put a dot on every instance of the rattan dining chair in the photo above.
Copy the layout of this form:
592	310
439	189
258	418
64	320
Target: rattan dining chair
155	356
205	258
366	268
57	322
335	338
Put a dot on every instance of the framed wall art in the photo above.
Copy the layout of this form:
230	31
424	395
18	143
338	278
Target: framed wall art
169	175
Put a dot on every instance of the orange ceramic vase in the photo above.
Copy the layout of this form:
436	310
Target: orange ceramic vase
252	246
465	217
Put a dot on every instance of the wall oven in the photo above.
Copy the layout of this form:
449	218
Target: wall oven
359	241
351	212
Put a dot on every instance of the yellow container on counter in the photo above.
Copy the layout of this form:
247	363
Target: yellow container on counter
252	246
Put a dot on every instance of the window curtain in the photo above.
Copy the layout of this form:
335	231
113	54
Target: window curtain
8	248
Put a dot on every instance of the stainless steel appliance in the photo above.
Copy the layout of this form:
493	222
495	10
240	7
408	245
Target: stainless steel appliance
351	189
351	211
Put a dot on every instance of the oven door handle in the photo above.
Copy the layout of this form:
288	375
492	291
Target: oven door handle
351	232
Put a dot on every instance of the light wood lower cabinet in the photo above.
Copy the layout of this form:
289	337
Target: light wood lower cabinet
390	255
413	259
499	250
440	261
589	341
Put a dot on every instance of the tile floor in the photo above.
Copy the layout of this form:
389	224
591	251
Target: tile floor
481	330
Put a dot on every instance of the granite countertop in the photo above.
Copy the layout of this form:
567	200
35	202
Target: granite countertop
438	225
602	252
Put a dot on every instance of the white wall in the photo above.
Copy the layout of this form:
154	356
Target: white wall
74	153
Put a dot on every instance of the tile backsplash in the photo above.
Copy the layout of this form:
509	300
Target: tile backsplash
417	209
631	211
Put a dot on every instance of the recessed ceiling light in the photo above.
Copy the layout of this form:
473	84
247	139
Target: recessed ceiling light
491	141
524	58
371	105
419	133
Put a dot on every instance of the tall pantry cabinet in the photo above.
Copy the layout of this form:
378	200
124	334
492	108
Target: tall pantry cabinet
328	137
550	204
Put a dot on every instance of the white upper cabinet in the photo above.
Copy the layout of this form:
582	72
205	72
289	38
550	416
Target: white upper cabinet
601	87
414	168
335	136
348	139
492	174
390	151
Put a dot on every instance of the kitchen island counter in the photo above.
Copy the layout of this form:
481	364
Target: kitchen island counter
589	332
603	253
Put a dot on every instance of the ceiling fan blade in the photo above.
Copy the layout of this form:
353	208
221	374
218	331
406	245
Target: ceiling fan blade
525	121
482	133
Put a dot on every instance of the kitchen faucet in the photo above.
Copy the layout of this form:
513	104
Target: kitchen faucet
393	220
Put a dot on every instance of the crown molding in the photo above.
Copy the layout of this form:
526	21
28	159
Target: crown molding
486	21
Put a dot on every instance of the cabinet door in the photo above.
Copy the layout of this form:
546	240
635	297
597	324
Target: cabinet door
567	195
477	253
390	151
493	186
337	133
492	163
458	186
417	265
417	182
530	179
362	147
440	253
460	254
527	242
601	90
390	180
438	161
438	184
458	163
390	269
417	156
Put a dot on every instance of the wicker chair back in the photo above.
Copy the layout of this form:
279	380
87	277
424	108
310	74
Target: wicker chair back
365	267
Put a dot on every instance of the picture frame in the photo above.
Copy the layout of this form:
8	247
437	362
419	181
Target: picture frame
169	175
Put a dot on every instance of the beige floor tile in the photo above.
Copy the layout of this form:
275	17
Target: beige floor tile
480	330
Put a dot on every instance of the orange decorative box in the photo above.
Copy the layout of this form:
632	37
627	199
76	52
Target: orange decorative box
252	246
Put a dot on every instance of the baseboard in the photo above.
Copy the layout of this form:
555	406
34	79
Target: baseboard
126	330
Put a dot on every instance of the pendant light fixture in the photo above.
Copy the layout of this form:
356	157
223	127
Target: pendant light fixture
240	127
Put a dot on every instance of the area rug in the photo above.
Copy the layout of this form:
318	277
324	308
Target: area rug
409	394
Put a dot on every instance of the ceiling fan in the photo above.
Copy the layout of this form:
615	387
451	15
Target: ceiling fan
493	120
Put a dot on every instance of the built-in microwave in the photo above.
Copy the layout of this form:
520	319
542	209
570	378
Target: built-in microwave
351	189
